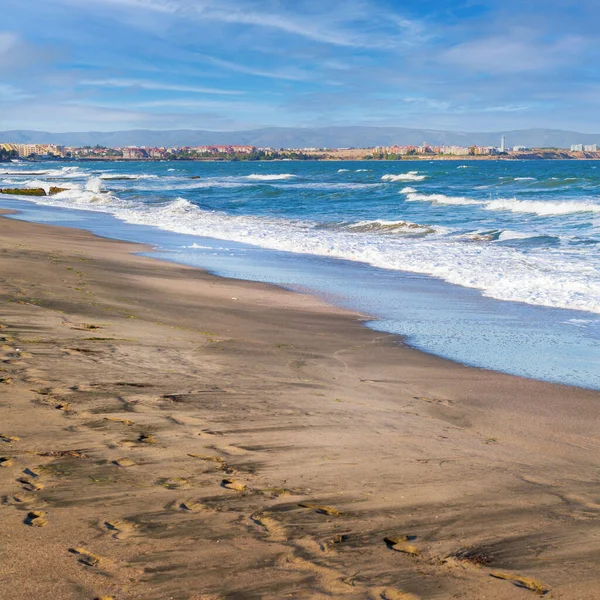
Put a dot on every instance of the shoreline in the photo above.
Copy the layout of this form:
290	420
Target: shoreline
297	401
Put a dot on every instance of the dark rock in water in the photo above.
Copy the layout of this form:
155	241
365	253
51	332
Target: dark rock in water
195	177
24	191
56	190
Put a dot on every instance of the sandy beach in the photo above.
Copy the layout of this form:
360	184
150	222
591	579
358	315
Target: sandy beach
165	433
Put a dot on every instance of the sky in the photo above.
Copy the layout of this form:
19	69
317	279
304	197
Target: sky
464	65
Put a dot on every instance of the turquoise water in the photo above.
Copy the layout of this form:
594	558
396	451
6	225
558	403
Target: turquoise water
490	263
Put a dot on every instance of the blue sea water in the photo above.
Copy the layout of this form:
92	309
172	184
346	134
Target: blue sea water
494	264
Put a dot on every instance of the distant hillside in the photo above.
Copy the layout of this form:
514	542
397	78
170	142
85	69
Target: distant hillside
287	137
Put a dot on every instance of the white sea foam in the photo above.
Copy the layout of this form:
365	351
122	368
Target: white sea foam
514	235
125	177
440	199
542	208
408	190
525	179
64	173
271	176
410	176
343	170
498	270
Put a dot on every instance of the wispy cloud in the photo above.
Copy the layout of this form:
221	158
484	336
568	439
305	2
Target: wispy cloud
290	73
156	85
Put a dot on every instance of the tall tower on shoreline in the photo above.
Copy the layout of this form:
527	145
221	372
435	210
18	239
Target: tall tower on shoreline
503	144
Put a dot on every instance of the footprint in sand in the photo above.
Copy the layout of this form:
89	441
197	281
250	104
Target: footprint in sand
322	510
174	483
30	485
119	529
187	506
270	526
232	484
35	518
19	499
124	462
391	594
400	544
6	461
86	557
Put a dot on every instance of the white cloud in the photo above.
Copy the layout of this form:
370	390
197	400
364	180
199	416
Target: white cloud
516	53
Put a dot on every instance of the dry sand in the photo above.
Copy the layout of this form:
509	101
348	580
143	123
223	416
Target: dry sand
171	434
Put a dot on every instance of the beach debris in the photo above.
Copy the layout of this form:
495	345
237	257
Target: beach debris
400	544
522	582
6	379
6	461
35	518
146	438
473	556
64	406
232	484
124	462
4	437
322	510
86	557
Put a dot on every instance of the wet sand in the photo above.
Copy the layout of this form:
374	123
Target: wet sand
171	434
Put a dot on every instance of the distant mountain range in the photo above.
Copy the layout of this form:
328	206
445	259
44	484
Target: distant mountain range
288	137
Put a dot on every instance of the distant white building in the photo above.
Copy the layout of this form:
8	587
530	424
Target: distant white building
590	148
503	144
519	148
576	147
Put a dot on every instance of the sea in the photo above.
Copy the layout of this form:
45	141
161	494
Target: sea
493	264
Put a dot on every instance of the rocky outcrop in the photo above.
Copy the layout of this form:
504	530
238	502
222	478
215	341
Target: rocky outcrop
32	191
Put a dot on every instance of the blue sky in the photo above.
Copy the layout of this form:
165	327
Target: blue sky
79	65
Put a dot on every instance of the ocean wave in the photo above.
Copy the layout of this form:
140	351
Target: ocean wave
542	208
498	270
441	199
410	176
394	227
270	176
525	179
408	190
127	177
65	172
